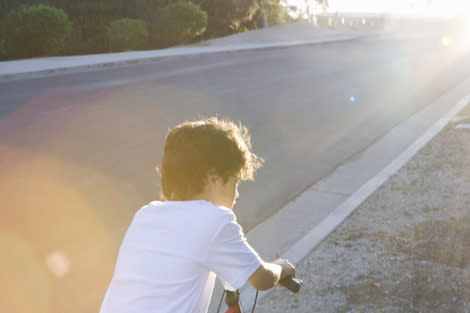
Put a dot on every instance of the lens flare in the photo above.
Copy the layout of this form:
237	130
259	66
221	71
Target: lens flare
58	263
352	99
25	285
446	41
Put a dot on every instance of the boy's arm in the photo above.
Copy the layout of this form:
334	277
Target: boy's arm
268	275
235	261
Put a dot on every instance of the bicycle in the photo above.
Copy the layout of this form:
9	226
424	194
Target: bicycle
232	298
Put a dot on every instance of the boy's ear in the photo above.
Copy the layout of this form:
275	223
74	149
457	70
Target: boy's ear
212	176
210	181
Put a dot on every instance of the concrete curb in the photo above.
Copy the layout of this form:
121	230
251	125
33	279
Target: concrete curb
152	56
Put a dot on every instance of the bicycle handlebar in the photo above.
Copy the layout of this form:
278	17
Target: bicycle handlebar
291	283
232	298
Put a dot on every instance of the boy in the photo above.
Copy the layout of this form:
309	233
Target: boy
174	249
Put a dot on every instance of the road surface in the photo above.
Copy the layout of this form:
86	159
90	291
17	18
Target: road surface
78	151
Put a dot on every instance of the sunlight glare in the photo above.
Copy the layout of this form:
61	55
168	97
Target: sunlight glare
446	41
58	263
405	7
25	284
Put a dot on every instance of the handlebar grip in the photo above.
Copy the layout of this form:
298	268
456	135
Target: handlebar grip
291	283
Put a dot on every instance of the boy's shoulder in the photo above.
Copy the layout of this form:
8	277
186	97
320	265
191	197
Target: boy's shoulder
200	208
202	218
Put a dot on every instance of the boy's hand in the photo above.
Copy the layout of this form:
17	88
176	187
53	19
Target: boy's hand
288	270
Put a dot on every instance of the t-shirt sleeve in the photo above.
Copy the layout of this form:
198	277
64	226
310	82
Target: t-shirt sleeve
231	257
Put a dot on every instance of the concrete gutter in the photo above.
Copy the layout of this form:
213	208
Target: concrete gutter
40	67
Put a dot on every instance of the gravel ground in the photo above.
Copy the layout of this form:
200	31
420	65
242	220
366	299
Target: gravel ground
406	249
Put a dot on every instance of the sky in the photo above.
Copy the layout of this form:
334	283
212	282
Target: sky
407	7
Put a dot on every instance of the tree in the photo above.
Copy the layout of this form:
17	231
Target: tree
178	23
227	16
35	30
275	12
127	34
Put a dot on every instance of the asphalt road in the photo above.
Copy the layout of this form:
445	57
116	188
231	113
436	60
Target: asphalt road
78	151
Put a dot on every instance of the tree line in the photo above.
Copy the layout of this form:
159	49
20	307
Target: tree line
64	27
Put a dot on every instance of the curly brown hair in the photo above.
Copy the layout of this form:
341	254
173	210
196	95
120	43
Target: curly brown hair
194	150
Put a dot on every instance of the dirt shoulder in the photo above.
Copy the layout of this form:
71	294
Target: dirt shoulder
406	249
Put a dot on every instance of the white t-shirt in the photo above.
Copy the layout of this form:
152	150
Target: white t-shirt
171	255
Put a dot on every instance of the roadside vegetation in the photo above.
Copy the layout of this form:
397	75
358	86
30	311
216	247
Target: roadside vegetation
34	28
127	34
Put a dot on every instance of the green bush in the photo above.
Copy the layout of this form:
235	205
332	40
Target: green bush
92	28
3	50
127	34
178	23
35	30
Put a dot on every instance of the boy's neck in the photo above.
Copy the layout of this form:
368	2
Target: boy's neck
220	193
